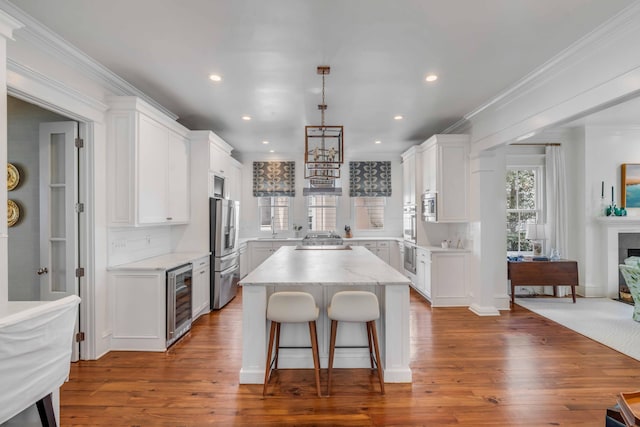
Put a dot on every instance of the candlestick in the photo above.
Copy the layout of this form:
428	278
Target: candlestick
602	191
612	196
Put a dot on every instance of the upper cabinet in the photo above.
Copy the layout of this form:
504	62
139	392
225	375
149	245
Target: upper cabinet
409	176
445	170
148	163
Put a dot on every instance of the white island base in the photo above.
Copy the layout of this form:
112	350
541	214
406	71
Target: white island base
322	273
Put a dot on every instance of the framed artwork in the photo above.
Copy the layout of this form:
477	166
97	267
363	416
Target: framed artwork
630	187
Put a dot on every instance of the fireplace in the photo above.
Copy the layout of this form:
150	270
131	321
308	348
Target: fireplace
628	245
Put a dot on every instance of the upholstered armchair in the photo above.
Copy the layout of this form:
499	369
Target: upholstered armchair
631	272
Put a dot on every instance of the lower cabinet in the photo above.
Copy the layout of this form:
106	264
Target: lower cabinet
381	248
423	273
244	260
449	281
139	310
201	287
441	277
261	250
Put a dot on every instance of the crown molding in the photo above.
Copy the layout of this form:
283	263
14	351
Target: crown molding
37	34
603	35
24	88
8	24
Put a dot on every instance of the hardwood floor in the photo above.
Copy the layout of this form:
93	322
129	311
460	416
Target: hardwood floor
518	369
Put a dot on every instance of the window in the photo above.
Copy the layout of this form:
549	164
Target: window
523	205
369	212
273	213
322	212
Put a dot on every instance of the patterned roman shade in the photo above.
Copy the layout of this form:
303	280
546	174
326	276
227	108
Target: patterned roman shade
370	179
272	179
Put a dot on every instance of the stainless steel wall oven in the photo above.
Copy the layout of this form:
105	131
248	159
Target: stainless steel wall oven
178	302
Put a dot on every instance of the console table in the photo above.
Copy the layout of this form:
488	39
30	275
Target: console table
543	273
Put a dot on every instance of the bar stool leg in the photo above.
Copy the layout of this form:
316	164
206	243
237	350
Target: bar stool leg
316	355
275	366
370	348
332	348
267	370
375	344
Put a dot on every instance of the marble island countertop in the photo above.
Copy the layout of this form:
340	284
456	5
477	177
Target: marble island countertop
356	266
353	240
162	262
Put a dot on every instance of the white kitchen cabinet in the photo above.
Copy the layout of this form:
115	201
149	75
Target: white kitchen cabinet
409	176
243	255
396	252
200	287
449	281
260	250
445	171
219	159
423	273
234	179
139	310
379	247
195	236
179	189
441	277
148	163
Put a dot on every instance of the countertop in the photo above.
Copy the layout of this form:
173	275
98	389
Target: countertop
356	266
162	262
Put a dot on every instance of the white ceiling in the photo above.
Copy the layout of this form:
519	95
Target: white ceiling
267	52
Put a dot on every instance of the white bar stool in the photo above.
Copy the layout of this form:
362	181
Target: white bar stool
355	306
291	307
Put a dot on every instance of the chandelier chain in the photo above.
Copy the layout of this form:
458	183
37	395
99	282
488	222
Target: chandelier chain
324	106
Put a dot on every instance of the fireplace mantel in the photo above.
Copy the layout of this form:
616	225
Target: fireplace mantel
617	221
611	227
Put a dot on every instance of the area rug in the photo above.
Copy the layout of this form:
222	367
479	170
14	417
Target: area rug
601	319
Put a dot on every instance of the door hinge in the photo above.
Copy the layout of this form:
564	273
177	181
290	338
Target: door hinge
80	272
80	337
79	207
79	143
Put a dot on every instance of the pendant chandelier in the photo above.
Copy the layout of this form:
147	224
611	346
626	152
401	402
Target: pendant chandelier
323	147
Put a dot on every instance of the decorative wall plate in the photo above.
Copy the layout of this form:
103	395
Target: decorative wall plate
13	177
13	213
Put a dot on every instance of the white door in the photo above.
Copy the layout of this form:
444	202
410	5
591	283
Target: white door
58	216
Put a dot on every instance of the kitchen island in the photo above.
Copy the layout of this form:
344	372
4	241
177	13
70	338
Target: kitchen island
322	271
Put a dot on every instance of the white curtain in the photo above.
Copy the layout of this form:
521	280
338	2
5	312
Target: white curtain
556	207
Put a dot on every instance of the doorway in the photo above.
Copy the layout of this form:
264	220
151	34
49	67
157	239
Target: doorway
44	241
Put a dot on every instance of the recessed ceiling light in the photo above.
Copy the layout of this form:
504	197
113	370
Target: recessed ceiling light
431	78
265	142
378	142
272	151
246	118
215	77
398	117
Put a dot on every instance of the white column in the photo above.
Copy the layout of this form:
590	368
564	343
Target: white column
7	25
254	330
488	267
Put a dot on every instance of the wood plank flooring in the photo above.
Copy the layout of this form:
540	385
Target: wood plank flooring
518	369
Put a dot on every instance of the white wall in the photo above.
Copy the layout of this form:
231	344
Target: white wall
249	225
606	148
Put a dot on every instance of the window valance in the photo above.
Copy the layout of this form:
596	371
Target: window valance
272	179
370	179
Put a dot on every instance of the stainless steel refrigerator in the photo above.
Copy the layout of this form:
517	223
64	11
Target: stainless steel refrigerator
223	242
